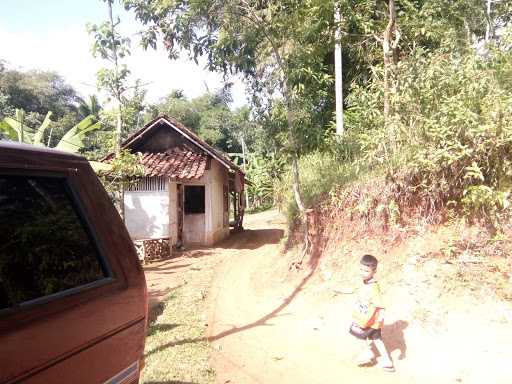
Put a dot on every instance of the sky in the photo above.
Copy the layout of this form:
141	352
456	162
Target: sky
51	35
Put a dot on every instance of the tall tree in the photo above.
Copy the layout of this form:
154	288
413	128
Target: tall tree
265	41
37	92
111	46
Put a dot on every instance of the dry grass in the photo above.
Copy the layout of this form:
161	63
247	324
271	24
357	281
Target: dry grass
176	349
481	264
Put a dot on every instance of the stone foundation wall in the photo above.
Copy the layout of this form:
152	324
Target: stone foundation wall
152	249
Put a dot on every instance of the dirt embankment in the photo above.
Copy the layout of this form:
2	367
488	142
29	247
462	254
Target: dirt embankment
448	290
445	323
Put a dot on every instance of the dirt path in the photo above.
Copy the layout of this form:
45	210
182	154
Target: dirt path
268	325
270	328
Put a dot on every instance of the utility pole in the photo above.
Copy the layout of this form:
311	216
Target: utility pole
244	154
338	71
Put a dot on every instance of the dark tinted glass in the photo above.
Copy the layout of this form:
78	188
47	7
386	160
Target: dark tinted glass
194	199
44	247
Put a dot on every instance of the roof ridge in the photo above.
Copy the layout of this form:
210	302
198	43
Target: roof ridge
187	133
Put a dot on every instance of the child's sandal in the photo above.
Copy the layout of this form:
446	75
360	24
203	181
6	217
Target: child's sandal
366	361
388	368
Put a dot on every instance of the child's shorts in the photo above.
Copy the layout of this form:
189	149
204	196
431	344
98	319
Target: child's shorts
365	333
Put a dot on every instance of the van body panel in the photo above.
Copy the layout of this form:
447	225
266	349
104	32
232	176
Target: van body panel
96	331
99	363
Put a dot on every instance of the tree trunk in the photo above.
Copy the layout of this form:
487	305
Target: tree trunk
255	18
296	179
292	139
118	151
468	32
390	48
295	150
489	27
117	91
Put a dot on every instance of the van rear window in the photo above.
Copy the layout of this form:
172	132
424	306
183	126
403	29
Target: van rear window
44	245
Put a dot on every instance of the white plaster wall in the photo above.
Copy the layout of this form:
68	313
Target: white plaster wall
147	214
173	213
204	229
217	177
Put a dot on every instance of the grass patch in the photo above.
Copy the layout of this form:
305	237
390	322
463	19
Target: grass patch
176	348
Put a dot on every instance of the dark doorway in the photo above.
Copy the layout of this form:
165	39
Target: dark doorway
194	199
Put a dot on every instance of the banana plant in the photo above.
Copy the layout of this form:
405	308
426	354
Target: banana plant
16	129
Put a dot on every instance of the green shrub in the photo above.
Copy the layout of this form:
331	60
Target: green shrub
320	173
449	140
446	148
457	112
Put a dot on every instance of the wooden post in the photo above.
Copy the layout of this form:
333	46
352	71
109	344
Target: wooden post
244	153
235	208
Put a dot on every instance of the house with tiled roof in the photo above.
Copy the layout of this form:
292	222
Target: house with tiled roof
187	191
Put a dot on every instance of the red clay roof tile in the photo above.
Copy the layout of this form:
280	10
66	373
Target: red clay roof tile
178	163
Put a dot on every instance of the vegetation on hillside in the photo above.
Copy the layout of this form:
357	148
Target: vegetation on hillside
426	106
426	96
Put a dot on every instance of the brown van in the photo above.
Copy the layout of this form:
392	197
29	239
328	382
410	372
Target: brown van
73	299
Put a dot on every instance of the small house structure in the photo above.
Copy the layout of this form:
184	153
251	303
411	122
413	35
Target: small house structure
186	194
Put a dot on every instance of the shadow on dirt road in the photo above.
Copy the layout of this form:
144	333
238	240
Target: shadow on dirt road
252	239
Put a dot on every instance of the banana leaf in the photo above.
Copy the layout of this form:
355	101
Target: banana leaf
39	135
7	131
73	140
24	134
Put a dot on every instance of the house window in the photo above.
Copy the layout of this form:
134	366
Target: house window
46	247
146	184
194	199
